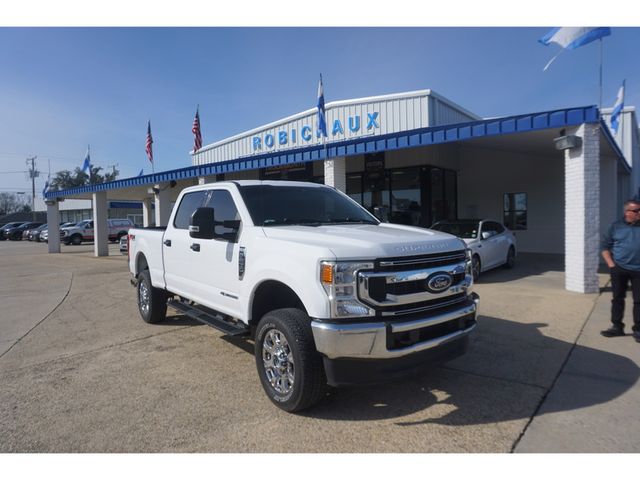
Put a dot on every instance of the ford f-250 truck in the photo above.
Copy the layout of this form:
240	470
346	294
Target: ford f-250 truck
330	295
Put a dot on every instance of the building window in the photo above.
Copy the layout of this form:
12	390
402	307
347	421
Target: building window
515	211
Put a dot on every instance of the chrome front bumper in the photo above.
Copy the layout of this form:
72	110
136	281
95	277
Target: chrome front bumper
369	340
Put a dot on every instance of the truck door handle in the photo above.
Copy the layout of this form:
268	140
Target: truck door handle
195	247
167	242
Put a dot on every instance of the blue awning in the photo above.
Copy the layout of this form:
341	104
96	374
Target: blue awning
393	141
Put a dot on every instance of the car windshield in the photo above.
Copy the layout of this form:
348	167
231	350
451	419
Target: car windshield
459	229
275	205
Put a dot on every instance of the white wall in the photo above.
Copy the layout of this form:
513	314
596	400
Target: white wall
485	175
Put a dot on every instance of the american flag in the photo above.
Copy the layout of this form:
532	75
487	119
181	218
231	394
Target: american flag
148	147
197	141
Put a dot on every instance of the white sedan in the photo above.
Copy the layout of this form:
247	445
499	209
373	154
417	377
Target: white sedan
491	243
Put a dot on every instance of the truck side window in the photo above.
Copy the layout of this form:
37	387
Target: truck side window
188	205
224	208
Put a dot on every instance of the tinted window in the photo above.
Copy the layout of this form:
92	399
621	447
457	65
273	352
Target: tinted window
223	207
492	226
190	202
459	229
271	205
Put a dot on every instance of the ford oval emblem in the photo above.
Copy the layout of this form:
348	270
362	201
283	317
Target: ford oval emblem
439	282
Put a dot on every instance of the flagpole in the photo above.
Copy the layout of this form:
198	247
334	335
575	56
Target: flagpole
601	57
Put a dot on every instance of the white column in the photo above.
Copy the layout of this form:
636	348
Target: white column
163	205
53	227
100	228
582	210
335	173
147	213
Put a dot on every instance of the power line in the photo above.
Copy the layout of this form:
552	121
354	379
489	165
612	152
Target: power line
18	171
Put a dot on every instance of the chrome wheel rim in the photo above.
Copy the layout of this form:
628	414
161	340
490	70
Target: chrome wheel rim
277	360
144	298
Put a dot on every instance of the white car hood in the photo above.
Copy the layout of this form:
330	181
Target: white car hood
358	241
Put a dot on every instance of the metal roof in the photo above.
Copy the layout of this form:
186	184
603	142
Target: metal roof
394	141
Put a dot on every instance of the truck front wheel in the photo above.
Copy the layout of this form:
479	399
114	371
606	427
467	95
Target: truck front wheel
152	302
289	366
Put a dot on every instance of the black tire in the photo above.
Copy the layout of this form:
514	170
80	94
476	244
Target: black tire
511	258
152	302
309	381
76	239
476	266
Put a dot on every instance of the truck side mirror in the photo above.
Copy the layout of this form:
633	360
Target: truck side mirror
202	223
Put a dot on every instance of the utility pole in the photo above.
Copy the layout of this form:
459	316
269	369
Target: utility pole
33	173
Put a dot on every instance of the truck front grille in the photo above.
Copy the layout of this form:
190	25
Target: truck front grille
402	286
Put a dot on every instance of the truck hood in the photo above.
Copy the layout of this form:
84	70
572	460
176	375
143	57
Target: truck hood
368	241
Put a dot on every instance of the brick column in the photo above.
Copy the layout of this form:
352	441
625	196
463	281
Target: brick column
163	205
147	213
582	210
53	222
335	173
100	227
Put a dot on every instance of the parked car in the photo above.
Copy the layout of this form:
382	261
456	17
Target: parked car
15	233
83	231
8	227
34	233
491	243
124	245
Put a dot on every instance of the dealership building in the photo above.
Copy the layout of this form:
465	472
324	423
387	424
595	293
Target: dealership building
557	178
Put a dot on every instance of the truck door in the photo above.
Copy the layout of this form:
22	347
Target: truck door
202	270
176	254
217	269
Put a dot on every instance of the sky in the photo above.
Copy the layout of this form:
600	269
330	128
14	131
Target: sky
62	89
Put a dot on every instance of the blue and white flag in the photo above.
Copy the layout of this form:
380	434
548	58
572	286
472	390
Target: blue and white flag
87	162
570	38
617	109
141	172
46	187
322	119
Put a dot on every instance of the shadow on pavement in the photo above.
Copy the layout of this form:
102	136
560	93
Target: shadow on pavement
484	388
527	265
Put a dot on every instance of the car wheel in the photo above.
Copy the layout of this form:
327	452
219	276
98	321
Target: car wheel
511	258
76	239
152	302
476	266
289	366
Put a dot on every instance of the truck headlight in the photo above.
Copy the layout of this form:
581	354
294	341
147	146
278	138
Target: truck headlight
339	282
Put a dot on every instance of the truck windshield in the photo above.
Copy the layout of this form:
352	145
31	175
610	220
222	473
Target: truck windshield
273	205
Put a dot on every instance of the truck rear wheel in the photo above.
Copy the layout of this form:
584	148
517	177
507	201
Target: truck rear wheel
152	302
289	366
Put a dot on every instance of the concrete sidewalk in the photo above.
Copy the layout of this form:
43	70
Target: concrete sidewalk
81	372
593	406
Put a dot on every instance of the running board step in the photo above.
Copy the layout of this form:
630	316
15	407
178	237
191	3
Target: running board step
210	318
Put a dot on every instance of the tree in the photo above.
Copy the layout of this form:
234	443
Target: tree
11	203
65	179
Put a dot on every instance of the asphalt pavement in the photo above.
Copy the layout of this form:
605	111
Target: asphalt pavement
81	372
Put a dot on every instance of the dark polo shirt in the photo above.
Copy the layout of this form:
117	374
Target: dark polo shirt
623	241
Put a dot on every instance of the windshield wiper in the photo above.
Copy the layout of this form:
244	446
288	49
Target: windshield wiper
351	220
292	221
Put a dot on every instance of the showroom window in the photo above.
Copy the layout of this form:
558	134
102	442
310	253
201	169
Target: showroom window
515	211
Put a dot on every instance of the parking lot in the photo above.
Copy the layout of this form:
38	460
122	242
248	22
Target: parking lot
81	372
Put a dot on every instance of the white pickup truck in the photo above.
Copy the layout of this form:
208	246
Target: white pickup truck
329	295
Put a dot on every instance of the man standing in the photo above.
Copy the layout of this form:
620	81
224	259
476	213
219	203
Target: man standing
621	252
